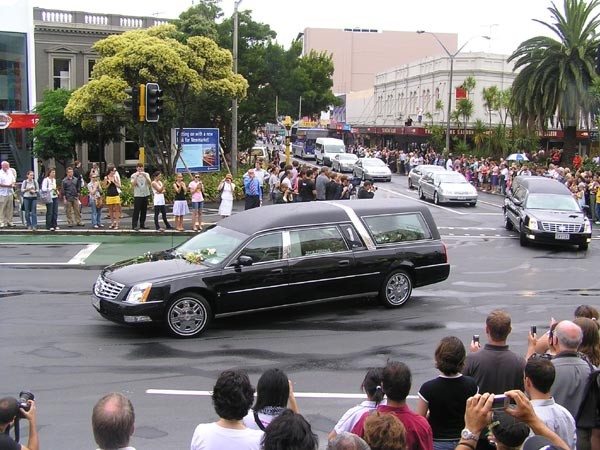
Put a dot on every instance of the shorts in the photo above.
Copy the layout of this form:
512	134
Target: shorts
116	200
197	206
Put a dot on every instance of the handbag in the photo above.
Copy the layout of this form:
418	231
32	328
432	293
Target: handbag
46	196
99	202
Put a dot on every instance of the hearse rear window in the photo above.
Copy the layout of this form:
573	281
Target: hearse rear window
393	228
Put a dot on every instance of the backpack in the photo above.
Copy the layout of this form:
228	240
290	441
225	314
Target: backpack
588	415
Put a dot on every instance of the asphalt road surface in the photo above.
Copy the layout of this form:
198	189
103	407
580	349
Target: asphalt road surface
56	345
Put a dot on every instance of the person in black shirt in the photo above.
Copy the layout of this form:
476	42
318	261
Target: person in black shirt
331	189
367	190
306	186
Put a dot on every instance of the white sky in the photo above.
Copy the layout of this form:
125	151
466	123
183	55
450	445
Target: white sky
508	22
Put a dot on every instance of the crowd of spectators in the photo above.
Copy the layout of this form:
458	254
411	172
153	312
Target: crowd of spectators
489	397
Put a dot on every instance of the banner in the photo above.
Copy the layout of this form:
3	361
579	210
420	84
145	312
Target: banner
18	120
199	149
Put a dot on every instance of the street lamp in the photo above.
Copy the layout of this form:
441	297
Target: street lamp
234	103
99	120
451	56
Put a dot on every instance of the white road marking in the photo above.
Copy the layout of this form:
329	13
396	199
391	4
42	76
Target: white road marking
83	254
296	394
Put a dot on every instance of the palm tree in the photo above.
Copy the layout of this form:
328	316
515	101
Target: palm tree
480	134
491	101
557	73
464	108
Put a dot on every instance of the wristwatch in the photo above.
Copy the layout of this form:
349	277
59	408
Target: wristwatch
466	434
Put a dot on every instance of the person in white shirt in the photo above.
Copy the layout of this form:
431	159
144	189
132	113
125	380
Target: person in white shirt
449	163
539	377
232	397
7	190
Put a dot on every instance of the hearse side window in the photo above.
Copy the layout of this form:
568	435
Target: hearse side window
264	248
316	241
390	229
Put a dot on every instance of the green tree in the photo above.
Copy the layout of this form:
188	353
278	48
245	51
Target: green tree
464	109
556	74
480	134
439	106
491	102
55	136
184	67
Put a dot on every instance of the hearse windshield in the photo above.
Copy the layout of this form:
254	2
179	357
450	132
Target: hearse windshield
555	202
214	245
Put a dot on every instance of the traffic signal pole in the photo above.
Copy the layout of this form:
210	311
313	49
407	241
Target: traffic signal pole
142	119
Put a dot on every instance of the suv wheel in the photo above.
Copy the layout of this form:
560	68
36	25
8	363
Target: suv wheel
410	186
436	199
522	238
421	196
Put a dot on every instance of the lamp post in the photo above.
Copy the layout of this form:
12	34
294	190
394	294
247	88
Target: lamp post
234	103
99	120
451	56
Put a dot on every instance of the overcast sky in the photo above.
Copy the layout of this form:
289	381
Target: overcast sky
508	22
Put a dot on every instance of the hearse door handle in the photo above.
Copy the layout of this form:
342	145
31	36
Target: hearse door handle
344	263
277	271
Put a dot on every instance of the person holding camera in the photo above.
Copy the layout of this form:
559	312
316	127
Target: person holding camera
11	410
367	190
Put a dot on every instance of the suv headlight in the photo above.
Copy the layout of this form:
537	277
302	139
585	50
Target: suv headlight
139	293
533	224
587	226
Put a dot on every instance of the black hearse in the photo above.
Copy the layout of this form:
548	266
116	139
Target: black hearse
277	256
544	210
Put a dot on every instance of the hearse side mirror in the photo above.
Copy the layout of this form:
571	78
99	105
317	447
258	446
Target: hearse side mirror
244	260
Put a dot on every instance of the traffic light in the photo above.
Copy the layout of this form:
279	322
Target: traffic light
153	102
132	103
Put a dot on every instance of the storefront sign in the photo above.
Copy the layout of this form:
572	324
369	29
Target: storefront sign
5	121
17	120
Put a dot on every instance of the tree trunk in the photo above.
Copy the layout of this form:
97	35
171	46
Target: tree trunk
570	145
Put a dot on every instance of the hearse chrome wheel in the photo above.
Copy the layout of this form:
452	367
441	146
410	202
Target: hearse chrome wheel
396	289
188	315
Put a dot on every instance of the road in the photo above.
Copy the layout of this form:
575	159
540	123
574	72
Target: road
56	345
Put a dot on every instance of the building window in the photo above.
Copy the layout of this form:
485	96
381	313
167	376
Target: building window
13	72
62	72
89	68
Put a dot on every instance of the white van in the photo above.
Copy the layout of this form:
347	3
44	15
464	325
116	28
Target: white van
327	148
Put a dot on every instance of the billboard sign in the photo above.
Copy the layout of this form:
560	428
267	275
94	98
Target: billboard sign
199	149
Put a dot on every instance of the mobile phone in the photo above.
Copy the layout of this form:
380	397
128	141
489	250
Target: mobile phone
501	401
476	338
533	329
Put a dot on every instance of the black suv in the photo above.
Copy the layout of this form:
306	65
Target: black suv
544	210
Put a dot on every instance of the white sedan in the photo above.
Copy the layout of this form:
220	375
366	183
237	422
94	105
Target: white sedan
344	162
447	187
371	169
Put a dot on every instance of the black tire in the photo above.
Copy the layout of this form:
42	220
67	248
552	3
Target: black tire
410	186
396	289
522	239
421	196
188	315
436	199
507	223
473	204
583	247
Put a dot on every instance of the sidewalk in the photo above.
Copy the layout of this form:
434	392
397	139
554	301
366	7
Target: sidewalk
210	216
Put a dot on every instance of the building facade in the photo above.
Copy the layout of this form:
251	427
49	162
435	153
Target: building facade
359	54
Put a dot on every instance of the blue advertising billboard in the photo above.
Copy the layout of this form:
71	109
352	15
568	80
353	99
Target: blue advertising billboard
199	149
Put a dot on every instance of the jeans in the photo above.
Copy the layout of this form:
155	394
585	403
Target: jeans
96	214
445	445
30	204
161	209
52	214
597	211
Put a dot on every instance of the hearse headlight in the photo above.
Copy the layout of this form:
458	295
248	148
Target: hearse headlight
533	224
587	225
139	293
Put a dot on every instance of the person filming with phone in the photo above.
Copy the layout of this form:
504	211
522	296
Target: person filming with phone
11	410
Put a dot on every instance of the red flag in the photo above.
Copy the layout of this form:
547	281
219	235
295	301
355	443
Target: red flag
461	93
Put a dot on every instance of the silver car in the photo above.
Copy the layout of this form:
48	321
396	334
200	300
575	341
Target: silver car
414	176
371	169
344	162
447	187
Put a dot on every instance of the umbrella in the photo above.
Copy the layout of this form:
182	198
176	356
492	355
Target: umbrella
517	157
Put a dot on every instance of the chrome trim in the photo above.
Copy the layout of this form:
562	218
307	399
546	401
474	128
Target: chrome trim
431	265
316	255
286	242
554	227
288	305
362	231
256	288
107	289
334	278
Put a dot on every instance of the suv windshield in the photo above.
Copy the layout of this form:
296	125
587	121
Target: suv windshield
214	245
335	149
555	202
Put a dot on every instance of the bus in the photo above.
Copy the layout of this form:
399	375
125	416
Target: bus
303	140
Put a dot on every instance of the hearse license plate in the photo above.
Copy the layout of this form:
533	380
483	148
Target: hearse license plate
562	236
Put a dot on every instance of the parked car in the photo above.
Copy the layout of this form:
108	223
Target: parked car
344	162
447	187
277	256
543	210
414	176
371	169
259	152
